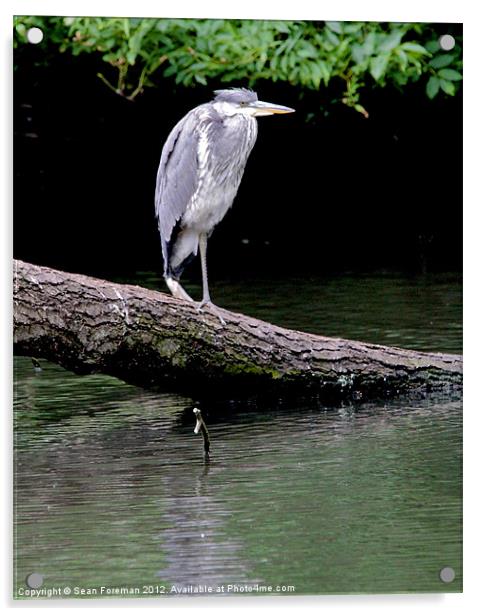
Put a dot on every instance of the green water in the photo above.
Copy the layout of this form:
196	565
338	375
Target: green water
111	489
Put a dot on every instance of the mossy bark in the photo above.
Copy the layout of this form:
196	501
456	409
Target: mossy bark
151	339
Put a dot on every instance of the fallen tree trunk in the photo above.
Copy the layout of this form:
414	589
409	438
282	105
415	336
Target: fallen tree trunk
151	339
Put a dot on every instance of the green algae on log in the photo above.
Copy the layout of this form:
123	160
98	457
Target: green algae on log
150	339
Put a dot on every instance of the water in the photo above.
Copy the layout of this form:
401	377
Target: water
417	312
111	488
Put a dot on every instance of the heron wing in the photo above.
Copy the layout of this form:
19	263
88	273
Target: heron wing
177	176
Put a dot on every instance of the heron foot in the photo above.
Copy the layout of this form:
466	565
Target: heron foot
177	291
207	303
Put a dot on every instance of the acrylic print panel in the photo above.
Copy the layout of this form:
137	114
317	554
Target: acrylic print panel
346	224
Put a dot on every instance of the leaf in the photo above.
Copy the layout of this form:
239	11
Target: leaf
403	59
109	43
441	60
284	64
305	73
282	26
448	87
415	48
109	57
336	26
21	29
450	74
307	50
432	87
325	72
316	74
332	38
432	46
378	65
358	53
352	27
391	41
361	110
369	44
170	70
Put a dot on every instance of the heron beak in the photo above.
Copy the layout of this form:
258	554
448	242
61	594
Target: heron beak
262	109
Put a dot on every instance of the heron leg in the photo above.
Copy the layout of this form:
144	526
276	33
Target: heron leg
203	246
176	289
206	300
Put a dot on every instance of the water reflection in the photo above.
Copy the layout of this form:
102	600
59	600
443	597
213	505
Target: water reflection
197	548
114	491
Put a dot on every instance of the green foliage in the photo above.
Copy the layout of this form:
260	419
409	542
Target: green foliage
310	55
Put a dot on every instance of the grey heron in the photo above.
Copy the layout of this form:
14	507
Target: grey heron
201	167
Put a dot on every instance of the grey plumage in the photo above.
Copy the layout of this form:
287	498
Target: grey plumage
201	155
241	96
201	167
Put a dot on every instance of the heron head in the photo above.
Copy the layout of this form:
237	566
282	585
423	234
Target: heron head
242	101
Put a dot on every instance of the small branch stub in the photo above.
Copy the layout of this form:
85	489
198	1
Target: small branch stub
201	426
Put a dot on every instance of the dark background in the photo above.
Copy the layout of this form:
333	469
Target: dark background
337	193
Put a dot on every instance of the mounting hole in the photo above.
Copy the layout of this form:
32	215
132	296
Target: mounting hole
35	580
446	42
35	36
447	575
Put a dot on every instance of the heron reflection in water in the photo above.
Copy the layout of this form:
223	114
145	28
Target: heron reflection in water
201	167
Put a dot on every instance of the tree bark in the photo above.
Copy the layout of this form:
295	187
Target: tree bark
151	339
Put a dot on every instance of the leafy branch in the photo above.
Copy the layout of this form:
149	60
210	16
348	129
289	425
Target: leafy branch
348	56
